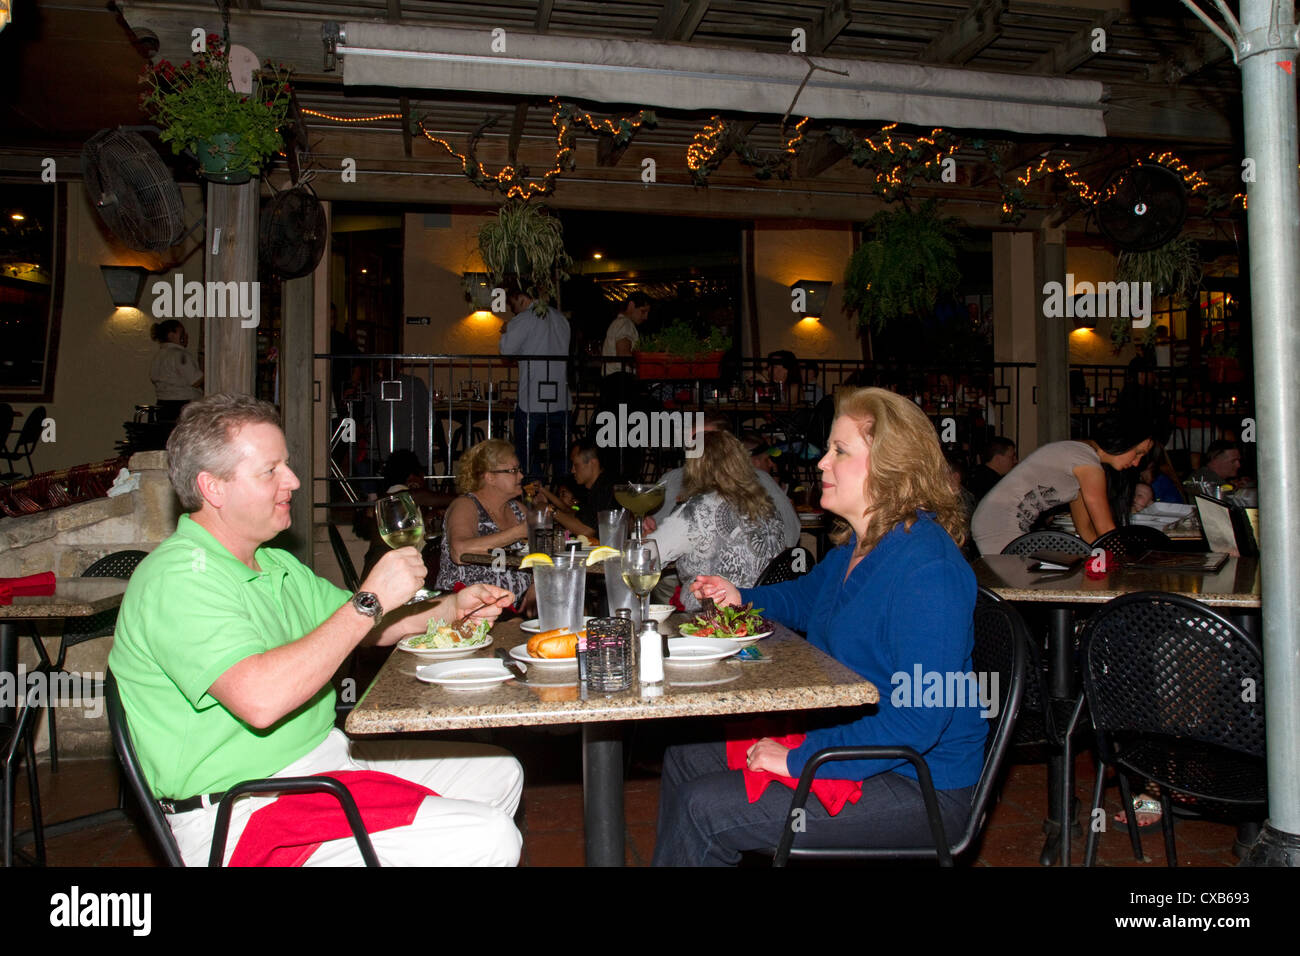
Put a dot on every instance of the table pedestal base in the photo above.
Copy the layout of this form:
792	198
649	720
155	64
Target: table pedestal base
602	788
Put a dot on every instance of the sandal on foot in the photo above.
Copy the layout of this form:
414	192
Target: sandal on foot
1147	809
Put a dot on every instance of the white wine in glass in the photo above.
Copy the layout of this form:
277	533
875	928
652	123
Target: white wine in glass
402	526
641	570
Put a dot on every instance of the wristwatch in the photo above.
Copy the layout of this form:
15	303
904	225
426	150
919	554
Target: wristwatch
368	604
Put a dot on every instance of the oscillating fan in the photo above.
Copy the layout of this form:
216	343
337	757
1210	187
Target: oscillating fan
292	233
1146	207
133	191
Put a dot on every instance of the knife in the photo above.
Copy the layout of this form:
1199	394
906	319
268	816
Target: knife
511	665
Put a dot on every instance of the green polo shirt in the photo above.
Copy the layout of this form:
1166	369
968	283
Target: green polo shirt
191	612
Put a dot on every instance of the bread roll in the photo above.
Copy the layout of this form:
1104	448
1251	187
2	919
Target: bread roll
553	644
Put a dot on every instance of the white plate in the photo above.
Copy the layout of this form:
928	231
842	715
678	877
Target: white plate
533	624
732	641
699	650
440	653
520	654
479	673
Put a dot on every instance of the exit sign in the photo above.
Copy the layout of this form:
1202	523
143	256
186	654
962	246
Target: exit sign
417	320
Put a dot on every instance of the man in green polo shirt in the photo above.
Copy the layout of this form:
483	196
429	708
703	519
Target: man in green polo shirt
224	651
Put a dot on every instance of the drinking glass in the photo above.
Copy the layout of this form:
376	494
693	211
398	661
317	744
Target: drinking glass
541	521
560	589
641	569
400	523
611	528
618	594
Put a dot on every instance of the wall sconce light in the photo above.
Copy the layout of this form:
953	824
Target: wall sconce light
124	283
478	290
808	297
1082	322
6	13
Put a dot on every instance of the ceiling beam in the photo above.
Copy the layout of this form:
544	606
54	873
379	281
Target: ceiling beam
607	152
824	153
830	23
1189	60
679	19
404	104
542	22
1075	51
975	29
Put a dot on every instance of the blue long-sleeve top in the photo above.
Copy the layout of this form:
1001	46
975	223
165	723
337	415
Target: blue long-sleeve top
903	614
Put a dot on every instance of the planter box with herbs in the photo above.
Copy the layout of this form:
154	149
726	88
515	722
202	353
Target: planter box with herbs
678	353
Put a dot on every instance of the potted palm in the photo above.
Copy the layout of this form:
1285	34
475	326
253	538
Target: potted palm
526	242
677	352
232	134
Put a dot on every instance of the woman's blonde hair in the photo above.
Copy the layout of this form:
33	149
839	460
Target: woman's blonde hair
476	462
725	467
907	471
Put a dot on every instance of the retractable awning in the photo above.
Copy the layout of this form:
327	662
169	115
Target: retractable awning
689	77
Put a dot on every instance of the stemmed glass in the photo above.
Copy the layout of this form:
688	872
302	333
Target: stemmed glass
641	569
401	525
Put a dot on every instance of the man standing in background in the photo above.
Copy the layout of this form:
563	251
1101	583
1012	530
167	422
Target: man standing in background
542	412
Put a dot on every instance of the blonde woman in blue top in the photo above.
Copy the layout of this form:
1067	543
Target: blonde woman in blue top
895	595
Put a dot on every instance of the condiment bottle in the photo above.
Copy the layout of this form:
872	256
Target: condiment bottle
651	653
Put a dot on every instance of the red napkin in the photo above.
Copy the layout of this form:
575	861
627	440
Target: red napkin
288	831
833	794
1100	566
34	585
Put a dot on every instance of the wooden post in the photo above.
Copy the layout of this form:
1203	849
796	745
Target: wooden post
230	255
297	322
1053	345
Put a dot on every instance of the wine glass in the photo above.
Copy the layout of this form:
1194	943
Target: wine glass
641	570
401	525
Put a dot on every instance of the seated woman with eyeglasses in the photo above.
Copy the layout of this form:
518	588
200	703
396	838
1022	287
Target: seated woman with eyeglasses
487	515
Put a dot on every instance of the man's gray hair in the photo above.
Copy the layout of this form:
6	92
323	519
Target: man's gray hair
201	440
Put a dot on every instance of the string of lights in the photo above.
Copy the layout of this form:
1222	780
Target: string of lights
350	119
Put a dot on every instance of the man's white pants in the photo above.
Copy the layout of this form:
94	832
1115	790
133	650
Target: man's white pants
469	824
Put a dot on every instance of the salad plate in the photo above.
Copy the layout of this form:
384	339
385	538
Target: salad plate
699	650
445	641
739	625
477	674
520	653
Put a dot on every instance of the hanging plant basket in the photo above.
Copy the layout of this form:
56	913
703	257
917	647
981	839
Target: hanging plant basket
218	157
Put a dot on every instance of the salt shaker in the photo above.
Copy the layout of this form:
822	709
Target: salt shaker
651	653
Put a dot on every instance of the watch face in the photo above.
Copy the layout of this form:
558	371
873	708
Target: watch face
366	603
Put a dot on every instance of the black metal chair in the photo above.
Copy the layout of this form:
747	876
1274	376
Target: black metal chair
78	630
156	820
1001	647
1134	540
1176	694
349	570
25	443
7	416
779	569
18	743
1035	541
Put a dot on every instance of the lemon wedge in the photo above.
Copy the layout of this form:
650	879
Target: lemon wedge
534	559
603	553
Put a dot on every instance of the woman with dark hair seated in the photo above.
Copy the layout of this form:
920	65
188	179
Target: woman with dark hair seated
1065	472
896	595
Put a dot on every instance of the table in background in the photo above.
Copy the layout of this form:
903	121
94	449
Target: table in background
799	677
1232	590
72	597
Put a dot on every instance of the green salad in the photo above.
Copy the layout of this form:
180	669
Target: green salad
442	636
728	622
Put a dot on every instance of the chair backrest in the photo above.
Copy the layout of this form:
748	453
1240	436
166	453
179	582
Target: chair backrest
31	431
119	564
350	579
131	770
1001	649
780	568
7	416
1162	664
1036	541
1134	540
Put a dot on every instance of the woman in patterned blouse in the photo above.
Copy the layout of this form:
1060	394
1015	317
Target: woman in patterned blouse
487	515
726	524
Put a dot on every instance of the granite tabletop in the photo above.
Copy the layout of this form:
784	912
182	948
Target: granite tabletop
1235	585
797	677
72	597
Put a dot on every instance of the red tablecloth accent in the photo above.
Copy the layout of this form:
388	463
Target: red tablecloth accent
288	831
34	585
833	794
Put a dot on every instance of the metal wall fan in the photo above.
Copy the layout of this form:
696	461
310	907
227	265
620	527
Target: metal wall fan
133	191
1146	208
292	233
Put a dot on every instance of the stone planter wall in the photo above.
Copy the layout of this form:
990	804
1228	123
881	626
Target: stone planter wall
67	541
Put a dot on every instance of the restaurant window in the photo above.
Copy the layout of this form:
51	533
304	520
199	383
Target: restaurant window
31	289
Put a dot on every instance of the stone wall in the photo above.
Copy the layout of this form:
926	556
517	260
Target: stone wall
67	541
